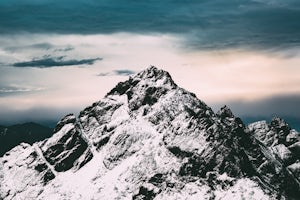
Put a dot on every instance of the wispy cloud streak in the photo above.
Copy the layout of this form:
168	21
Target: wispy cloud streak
120	72
55	62
16	90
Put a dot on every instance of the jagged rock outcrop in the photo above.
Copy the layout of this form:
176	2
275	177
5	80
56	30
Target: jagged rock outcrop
150	139
67	148
282	141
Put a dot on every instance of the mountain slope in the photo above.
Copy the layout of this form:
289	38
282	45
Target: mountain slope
282	141
148	139
11	136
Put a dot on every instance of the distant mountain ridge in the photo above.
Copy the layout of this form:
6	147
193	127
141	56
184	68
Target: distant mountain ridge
13	135
150	139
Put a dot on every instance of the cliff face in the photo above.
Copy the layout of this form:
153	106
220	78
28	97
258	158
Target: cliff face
150	139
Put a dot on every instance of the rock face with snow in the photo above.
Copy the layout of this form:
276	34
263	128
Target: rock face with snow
150	139
68	149
282	141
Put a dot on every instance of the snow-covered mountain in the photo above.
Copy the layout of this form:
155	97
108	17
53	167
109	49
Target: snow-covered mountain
150	139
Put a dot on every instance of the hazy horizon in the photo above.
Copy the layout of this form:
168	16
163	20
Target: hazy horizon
60	57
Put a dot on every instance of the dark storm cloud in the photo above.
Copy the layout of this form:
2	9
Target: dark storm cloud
205	23
55	62
120	72
286	107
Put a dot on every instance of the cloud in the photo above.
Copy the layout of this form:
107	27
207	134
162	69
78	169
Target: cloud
120	72
204	24
43	46
15	90
55	62
65	49
124	72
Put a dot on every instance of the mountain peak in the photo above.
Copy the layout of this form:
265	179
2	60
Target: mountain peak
149	139
153	72
151	77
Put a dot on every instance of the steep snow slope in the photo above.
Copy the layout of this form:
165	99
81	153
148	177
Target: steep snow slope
149	139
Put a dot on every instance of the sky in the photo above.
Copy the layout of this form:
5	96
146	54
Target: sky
58	57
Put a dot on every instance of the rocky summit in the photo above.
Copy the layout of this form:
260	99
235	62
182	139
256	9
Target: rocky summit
150	139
